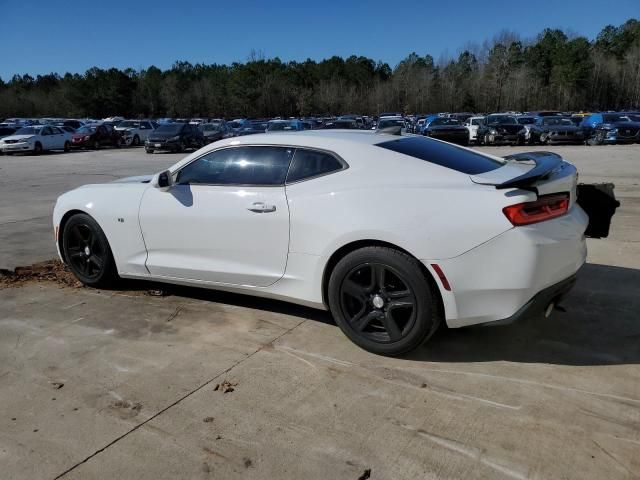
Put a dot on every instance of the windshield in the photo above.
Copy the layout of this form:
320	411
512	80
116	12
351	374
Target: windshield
29	131
391	123
556	121
526	120
210	127
608	118
477	121
172	128
502	119
129	124
445	121
86	130
280	126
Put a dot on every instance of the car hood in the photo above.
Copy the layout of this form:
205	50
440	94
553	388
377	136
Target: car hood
162	136
447	127
562	128
18	137
136	179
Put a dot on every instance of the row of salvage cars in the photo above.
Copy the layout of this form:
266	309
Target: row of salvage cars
552	128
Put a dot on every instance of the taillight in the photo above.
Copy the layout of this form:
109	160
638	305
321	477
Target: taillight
544	208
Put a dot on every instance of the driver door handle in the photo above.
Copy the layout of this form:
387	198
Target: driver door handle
261	207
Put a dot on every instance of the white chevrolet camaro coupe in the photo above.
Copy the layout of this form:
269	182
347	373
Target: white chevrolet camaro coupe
393	234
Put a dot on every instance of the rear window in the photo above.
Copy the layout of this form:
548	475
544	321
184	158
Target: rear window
443	154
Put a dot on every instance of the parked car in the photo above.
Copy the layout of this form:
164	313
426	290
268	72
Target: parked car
176	137
214	131
501	129
252	127
555	129
96	137
135	132
341	123
472	125
390	122
609	128
461	238
448	129
36	139
285	126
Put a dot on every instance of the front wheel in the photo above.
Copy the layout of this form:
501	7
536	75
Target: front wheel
486	140
382	300
37	148
136	141
67	146
87	252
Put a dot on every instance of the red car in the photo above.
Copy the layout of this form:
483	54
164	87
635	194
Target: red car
96	136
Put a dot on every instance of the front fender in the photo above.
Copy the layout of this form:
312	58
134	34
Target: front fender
115	207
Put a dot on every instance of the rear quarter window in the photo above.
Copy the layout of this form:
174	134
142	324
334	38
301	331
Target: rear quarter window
443	154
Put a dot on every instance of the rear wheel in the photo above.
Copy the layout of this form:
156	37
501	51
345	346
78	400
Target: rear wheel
37	148
87	252
382	300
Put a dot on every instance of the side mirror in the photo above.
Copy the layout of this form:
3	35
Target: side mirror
163	180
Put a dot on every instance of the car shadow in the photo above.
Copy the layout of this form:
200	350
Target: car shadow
601	325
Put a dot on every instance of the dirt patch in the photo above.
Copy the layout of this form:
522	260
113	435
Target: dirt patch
225	387
50	271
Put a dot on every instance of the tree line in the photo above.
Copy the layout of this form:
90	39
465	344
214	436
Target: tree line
556	70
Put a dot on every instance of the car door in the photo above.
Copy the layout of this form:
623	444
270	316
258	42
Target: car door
225	220
46	138
145	129
57	138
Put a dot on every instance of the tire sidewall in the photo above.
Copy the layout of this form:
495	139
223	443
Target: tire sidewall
427	319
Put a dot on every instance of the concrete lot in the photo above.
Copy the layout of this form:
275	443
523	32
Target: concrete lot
120	384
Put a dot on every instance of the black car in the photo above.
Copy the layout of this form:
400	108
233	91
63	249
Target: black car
501	129
556	130
342	123
252	127
176	137
448	129
215	130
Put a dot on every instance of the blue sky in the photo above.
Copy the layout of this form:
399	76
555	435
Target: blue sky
67	35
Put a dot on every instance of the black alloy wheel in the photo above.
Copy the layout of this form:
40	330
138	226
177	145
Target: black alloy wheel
87	251
382	300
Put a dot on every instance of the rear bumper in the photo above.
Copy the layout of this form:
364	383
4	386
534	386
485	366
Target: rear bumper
539	303
498	278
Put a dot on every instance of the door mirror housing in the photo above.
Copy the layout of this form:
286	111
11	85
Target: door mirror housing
163	180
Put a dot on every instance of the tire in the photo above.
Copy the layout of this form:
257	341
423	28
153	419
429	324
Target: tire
67	146
87	252
544	139
96	145
136	141
485	140
37	148
382	300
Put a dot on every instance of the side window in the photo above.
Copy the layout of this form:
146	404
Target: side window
239	166
311	163
46	131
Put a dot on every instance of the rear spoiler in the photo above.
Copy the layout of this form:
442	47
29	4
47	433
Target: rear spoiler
545	164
